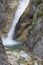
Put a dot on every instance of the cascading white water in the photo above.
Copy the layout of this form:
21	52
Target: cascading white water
22	5
21	8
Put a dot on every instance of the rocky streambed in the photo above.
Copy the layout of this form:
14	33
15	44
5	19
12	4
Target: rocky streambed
20	57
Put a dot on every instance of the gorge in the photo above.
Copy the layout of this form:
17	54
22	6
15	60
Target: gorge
23	35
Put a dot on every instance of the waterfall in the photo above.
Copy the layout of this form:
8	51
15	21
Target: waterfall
20	9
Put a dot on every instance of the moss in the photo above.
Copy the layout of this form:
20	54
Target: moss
0	1
33	22
35	2
40	13
38	2
21	60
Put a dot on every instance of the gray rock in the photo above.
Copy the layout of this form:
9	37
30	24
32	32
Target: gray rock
35	33
3	57
34	37
2	13
2	9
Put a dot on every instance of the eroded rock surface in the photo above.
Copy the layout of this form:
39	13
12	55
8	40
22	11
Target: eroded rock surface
30	27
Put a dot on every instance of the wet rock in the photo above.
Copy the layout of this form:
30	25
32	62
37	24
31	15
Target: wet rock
3	57
17	58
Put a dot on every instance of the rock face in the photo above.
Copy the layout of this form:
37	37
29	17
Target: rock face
34	39
7	11
2	16
30	27
3	58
